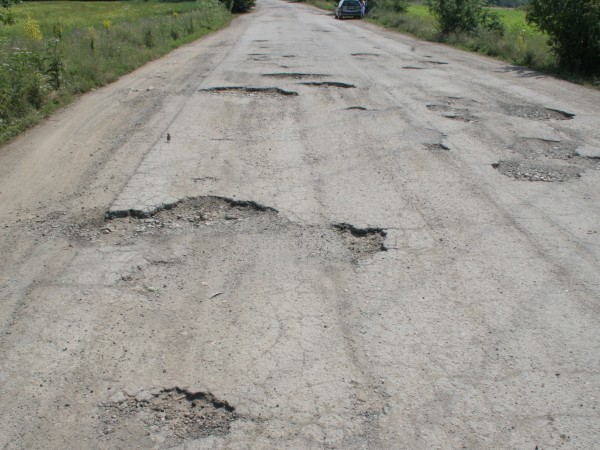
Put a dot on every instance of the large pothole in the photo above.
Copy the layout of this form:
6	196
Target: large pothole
535	112
194	211
168	416
250	91
532	148
449	112
362	242
531	171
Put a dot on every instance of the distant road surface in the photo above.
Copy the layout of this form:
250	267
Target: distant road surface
350	239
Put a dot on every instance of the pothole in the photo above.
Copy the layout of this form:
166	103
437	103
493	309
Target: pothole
358	108
362	242
294	75
529	171
365	54
250	91
196	209
447	111
535	112
437	147
413	68
169	416
532	148
439	63
336	84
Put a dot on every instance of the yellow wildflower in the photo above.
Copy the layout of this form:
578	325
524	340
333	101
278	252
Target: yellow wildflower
32	29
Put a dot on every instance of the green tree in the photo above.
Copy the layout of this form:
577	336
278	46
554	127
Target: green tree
573	28
456	15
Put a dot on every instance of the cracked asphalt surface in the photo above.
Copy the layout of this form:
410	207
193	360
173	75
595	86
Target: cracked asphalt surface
378	257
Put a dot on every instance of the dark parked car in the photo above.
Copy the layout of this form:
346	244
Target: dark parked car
349	8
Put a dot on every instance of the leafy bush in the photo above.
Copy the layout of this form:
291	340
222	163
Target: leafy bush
228	4
573	27
491	21
242	6
456	15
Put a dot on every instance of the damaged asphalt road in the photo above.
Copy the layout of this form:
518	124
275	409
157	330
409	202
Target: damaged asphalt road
279	236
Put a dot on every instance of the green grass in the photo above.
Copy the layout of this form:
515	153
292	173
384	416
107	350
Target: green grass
514	19
57	50
521	44
74	14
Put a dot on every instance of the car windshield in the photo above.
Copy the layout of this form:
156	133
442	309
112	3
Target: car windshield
351	3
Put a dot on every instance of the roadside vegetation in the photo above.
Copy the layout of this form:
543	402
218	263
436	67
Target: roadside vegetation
539	34
52	51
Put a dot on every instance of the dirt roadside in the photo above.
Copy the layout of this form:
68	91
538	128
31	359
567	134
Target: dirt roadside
350	239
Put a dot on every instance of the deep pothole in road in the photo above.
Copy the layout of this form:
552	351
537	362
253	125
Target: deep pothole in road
250	91
204	216
531	148
196	210
437	147
362	242
535	112
449	112
335	84
170	416
531	171
295	75
356	108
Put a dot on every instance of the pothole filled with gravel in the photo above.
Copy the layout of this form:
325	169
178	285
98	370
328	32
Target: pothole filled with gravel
168	416
532	148
535	112
449	112
362	242
529	171
250	91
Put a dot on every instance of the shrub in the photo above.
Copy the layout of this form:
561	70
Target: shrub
242	6
456	15
573	28
491	21
228	4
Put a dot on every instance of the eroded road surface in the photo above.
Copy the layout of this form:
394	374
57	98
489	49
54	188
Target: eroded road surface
350	239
